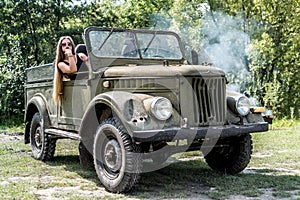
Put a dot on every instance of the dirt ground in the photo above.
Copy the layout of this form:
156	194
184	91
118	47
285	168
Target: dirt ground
100	193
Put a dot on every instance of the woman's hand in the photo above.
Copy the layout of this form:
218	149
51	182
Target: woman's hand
68	53
83	57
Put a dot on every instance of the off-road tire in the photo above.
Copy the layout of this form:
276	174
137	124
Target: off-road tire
233	157
117	159
85	157
42	146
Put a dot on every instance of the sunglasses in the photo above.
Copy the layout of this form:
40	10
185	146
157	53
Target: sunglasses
66	44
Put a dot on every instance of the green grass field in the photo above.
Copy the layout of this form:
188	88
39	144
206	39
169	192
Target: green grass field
273	173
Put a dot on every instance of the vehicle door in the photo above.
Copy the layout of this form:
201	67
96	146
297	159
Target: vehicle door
74	101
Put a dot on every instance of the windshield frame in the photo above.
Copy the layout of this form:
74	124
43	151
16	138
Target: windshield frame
98	61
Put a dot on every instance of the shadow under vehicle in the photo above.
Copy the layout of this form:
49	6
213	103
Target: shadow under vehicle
139	99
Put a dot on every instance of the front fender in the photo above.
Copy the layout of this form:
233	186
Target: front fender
115	104
254	116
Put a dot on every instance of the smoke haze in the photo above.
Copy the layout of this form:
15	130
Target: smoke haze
220	40
223	44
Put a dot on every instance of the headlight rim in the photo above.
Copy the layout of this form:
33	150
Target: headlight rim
154	110
247	106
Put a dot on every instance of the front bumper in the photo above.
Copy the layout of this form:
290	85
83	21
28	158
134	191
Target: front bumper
196	133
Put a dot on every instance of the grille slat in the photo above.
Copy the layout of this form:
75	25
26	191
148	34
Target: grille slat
209	99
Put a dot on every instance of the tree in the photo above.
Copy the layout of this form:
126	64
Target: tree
29	31
278	49
129	14
272	54
187	21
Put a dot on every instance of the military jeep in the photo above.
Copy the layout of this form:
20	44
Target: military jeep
137	100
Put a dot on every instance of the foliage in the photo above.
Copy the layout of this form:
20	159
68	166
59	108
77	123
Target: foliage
30	30
12	76
276	63
130	14
186	21
28	36
272	55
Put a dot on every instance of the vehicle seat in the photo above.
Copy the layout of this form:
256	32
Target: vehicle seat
81	66
81	48
129	49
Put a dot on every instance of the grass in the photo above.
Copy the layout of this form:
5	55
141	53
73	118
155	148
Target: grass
279	148
11	124
274	169
12	129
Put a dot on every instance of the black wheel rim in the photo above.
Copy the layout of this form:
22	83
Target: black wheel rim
109	156
38	138
113	156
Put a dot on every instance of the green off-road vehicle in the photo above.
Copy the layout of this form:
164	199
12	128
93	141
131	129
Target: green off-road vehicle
136	102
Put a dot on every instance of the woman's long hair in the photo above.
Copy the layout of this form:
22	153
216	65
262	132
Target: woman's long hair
58	76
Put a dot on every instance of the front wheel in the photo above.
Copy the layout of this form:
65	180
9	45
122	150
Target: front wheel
42	146
231	155
85	156
117	159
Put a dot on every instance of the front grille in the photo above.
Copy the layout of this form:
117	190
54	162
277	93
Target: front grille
209	100
144	84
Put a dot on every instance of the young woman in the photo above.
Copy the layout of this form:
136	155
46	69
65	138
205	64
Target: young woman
65	63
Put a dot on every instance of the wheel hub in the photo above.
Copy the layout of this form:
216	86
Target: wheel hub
37	137
113	155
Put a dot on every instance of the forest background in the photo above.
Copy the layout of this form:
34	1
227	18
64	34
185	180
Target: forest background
256	42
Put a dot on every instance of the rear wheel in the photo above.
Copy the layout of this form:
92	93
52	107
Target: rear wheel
117	159
233	156
42	146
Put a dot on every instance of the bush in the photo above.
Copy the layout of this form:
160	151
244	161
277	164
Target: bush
12	79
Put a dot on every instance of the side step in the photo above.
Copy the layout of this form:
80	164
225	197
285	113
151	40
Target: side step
61	133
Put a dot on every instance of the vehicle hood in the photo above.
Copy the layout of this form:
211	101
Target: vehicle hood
159	71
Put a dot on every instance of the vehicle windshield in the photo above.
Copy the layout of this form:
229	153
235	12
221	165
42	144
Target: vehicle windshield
134	44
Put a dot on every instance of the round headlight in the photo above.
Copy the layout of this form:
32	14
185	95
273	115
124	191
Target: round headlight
161	108
243	105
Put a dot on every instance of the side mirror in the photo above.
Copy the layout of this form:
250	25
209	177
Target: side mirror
195	59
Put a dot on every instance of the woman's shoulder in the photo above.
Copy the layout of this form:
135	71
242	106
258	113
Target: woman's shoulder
63	62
